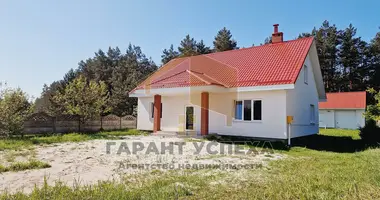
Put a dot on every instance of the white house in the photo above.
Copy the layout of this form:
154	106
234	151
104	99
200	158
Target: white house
245	92
343	110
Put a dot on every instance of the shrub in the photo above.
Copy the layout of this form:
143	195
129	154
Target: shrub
14	109
370	133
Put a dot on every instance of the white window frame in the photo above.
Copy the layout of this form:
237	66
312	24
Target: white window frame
305	74
252	110
312	114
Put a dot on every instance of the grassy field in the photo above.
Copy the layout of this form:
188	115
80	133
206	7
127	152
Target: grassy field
317	171
354	134
29	142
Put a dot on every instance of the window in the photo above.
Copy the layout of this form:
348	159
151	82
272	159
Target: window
152	110
248	110
305	74
257	110
312	114
238	110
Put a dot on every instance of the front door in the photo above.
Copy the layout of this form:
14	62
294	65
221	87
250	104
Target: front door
189	118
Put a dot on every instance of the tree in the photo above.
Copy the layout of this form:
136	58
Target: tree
327	41
84	98
188	47
374	60
121	72
46	102
168	55
223	41
268	40
373	111
201	48
352	54
14	110
134	66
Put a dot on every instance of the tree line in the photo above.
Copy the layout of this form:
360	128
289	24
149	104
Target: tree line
100	84
348	63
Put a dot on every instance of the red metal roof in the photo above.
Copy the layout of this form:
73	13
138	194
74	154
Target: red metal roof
271	64
344	100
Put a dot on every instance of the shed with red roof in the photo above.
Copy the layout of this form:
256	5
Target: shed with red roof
245	92
343	110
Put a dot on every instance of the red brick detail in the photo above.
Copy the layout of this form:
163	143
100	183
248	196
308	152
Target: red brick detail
204	112
157	113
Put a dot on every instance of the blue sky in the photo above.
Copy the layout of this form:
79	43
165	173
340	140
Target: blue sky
41	40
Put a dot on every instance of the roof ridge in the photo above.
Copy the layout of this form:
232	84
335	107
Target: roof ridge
153	82
216	80
206	55
161	68
247	48
192	73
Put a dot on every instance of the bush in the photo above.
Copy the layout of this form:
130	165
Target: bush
370	133
14	109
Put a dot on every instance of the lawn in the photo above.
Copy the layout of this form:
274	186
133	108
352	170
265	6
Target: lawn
317	171
28	142
354	134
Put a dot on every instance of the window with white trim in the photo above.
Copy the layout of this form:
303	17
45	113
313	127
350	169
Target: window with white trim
152	110
305	74
312	114
248	110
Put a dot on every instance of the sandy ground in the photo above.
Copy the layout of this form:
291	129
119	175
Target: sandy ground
89	162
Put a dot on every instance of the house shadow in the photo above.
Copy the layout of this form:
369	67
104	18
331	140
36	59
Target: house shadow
339	144
317	142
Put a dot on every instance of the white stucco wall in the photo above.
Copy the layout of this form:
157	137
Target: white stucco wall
327	118
342	118
173	112
272	125
298	103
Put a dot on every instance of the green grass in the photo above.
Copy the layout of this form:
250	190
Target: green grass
306	173
29	142
21	166
354	134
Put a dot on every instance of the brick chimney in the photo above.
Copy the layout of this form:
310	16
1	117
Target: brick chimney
277	36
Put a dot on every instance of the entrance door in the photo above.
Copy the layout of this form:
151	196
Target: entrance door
189	118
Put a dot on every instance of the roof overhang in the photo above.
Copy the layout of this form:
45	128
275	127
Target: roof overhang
317	73
211	88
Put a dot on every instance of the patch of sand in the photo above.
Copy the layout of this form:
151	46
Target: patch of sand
88	162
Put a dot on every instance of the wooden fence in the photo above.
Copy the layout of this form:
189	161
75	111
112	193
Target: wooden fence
43	123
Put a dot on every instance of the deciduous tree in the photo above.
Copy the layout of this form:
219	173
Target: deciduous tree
14	110
84	98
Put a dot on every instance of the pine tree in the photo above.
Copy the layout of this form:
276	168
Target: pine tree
168	55
223	41
352	61
268	40
188	47
326	40
374	59
201	48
